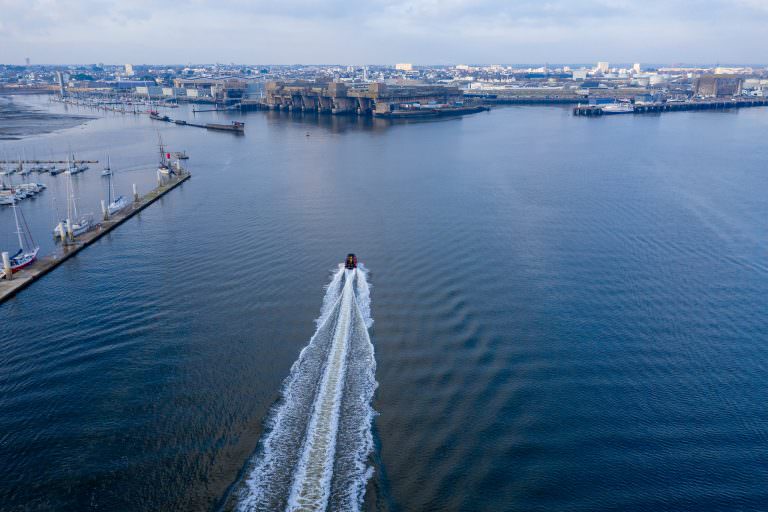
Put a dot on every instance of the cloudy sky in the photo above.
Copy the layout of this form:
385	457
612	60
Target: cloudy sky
384	31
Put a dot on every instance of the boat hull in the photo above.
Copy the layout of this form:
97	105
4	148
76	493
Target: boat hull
24	261
117	205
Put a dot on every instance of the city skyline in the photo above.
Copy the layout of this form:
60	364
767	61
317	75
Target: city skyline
422	32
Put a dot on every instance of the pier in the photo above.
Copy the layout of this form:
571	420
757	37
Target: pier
28	275
236	127
648	108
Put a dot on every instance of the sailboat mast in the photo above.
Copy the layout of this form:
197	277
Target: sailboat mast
69	193
162	150
74	204
18	229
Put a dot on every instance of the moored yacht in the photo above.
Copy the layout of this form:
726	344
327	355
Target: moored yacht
75	224
27	253
115	203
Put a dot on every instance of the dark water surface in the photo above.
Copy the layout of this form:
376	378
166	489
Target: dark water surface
570	314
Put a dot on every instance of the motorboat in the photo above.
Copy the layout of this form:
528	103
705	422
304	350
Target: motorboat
351	261
618	108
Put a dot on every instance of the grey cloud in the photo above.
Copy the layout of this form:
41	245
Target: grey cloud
381	30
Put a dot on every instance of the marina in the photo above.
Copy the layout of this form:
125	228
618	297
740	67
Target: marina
108	103
11	193
37	269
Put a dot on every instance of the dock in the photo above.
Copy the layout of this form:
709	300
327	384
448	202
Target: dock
649	108
236	127
28	275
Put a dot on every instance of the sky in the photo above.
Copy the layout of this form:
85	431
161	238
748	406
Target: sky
384	31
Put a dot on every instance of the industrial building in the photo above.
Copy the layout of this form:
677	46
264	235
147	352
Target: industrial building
340	98
719	86
226	91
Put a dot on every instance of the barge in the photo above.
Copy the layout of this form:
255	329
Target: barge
418	113
236	127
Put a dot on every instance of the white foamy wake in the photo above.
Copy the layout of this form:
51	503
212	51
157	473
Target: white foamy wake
363	294
314	453
332	294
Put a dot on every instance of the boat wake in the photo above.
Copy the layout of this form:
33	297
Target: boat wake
314	453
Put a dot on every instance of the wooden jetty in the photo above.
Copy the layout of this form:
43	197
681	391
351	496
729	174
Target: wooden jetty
28	275
647	108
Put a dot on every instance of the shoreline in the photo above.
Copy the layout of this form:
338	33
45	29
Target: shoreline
20	120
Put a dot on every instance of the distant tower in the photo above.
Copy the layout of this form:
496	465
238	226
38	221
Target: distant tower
26	59
602	67
129	70
636	67
365	73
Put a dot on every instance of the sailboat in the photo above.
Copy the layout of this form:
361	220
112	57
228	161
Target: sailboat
74	168
25	256
119	203
107	170
165	164
10	169
24	171
55	170
78	224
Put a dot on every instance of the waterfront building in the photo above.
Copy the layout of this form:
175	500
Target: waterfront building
719	85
